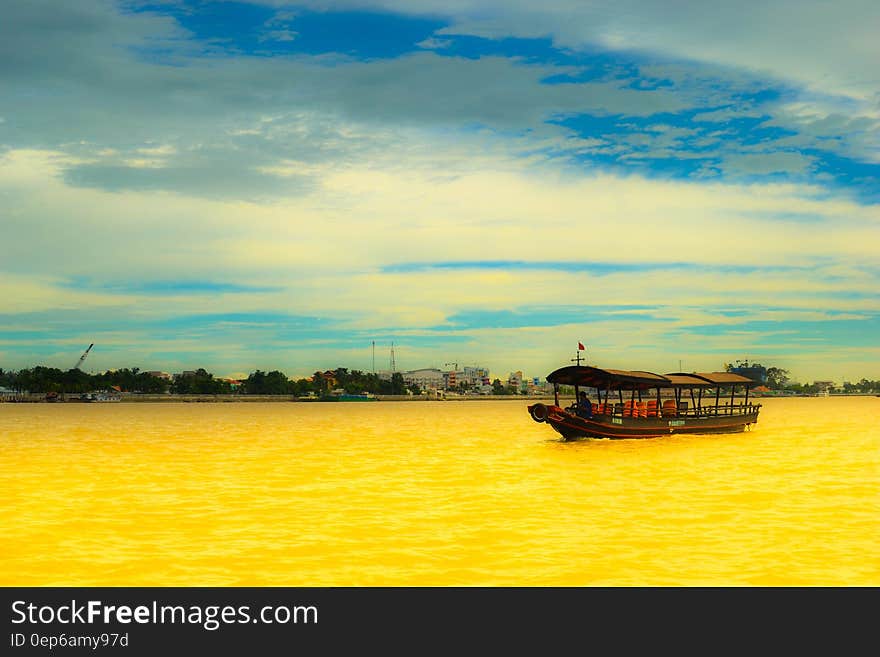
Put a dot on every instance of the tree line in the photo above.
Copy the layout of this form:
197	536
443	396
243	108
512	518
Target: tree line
779	379
42	379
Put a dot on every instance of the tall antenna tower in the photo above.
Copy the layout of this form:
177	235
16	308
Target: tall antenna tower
392	358
374	356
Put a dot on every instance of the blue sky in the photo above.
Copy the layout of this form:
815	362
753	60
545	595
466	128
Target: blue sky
269	184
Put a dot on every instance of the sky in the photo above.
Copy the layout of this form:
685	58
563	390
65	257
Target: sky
283	185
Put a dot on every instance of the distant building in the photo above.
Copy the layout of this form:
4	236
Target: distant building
161	375
824	386
475	376
515	380
450	379
428	378
432	378
535	385
7	394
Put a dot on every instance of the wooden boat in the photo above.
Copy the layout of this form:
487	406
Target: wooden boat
635	404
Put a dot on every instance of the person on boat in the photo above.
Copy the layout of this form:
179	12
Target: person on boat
584	407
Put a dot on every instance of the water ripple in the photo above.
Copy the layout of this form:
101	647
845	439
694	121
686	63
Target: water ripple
469	493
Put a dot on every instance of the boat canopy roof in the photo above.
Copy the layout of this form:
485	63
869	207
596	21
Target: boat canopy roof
594	377
718	378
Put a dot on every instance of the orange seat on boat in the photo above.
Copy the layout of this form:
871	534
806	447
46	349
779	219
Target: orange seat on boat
652	408
629	409
669	409
642	408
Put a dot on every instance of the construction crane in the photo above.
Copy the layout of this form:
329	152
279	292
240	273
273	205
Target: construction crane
83	357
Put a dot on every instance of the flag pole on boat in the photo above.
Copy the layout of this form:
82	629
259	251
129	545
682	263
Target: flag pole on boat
578	354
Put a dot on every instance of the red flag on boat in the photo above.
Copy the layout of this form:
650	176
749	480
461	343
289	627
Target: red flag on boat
581	346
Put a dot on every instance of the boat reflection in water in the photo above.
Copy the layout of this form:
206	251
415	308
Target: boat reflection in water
636	404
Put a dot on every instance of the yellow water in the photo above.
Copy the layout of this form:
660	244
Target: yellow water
433	493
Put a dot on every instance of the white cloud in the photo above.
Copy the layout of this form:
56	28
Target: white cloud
830	47
324	254
228	125
764	163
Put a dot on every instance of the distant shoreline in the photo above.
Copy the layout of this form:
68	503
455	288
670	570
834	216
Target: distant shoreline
235	399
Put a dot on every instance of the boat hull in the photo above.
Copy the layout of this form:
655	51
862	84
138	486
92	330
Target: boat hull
572	427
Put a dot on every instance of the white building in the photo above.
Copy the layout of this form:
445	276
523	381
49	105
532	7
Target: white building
428	378
475	376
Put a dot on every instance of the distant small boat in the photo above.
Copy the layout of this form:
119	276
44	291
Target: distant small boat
92	397
655	406
346	397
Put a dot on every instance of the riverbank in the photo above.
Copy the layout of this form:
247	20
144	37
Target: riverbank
191	399
201	399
